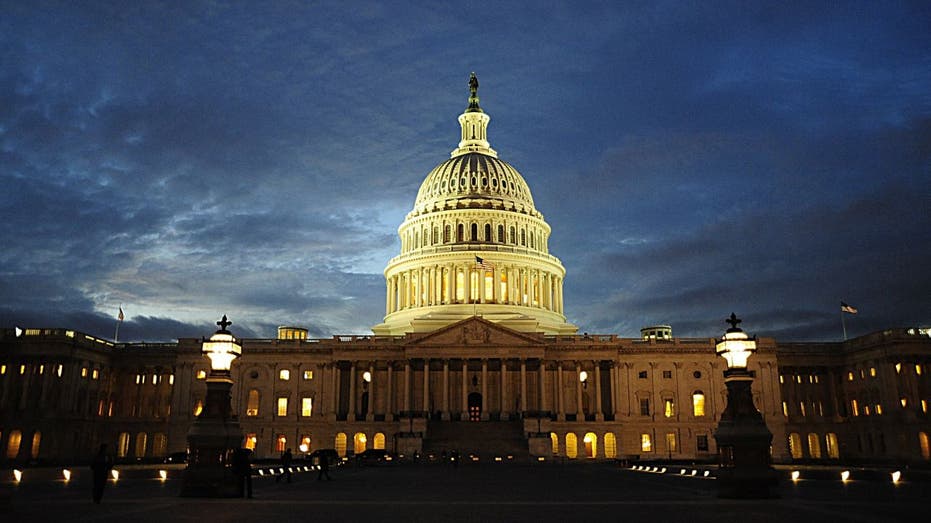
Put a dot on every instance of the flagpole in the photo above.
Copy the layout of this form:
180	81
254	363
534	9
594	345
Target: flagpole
843	324
116	335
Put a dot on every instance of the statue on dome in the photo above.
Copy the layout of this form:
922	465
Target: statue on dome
473	95
473	84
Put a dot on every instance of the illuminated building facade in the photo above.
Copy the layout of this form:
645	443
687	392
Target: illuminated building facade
474	336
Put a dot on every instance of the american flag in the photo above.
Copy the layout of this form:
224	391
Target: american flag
120	316
483	264
847	308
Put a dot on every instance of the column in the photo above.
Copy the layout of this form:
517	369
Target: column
579	410
599	414
407	386
389	393
388	296
615	390
504	388
541	387
485	402
351	414
465	391
334	376
426	387
445	413
370	413
523	387
560	410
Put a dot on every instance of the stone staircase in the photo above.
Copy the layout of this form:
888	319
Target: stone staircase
487	439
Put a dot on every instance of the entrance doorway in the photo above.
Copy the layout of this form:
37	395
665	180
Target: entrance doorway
475	406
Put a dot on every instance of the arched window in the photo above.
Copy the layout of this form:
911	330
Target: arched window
460	233
572	446
795	445
159	444
281	442
610	445
533	244
698	403
513	237
814	446
341	444
36	441
555	439
830	441
488	237
923	445
252	403
122	445
378	441
646	442
591	445
446	232
523	238
501	234
358	443
474	230
141	439
13	443
436	235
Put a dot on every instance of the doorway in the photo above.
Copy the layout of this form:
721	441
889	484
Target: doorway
475	406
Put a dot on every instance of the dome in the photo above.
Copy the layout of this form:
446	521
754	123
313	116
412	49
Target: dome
474	180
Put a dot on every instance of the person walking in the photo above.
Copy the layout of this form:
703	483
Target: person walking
242	467
285	465
101	466
324	468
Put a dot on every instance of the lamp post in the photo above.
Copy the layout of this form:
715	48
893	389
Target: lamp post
743	440
215	433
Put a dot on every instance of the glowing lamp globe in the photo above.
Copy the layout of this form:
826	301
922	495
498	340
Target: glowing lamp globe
735	347
222	348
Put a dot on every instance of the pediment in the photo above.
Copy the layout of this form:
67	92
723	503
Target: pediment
475	331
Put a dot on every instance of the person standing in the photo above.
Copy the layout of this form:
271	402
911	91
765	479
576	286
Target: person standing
286	457
324	468
100	469
242	467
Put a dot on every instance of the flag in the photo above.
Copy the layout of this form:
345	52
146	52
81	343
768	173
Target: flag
487	265
121	313
847	308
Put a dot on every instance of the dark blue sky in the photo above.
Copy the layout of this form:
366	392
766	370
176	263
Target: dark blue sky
194	159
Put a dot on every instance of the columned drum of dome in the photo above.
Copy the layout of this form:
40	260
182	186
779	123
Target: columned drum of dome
474	245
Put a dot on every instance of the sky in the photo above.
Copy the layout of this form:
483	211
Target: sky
186	160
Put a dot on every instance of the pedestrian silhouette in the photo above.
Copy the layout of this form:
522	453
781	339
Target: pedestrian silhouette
285	465
324	468
100	469
242	467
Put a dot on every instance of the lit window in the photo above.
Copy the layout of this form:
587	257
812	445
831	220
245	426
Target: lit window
830	440
924	406
814	446
671	442
155	379
785	409
138	379
646	443
284	374
95	373
101	405
898	368
820	409
798	378
308	374
22	369
250	441
872	372
307	407
904	402
201	374
198	408
668	408
801	408
252	403
866	410
817	379
811	379
282	406
854	408
3	370
862	374
850	376
782	379
122	446
83	372
698	403
305	443
171	379
281	443
13	443
41	370
879	409
795	445
918	369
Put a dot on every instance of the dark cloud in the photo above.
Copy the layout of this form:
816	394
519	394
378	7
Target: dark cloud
192	160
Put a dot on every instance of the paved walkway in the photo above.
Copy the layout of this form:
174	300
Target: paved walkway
483	492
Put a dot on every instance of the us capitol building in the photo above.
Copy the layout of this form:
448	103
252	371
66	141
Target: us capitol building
474	354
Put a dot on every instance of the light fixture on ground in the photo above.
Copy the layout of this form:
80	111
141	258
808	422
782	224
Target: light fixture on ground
742	436
215	433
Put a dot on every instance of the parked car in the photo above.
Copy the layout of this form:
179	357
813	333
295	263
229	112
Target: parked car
375	457
330	455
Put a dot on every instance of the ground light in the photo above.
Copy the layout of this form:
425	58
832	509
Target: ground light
115	474
17	475
66	473
163	474
795	475
845	476
896	477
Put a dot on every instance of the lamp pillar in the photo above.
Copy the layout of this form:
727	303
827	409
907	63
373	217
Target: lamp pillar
743	440
215	434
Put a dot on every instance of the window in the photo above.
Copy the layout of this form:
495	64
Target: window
668	408
159	444
84	373
610	445
795	445
646	443
923	445
201	374
474	232
879	409
13	443
698	403
488	237
830	441
872	372
252	403
850	376
378	442
282	406
918	369
898	368
785	409
122	445
308	374
814	446
513	236
667	374
140	444
572	446
198	407
3	370
307	407
590	442
281	443
801	408
854	408
924	406
340	444
555	440
284	374
642	374
701	442
644	406
95	374
782	379
305	443
460	233
250	441
501	234
671	442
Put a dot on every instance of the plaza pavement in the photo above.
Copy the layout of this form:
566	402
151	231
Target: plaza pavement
511	492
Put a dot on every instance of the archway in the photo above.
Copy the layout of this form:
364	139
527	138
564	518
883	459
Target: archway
591	445
475	406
